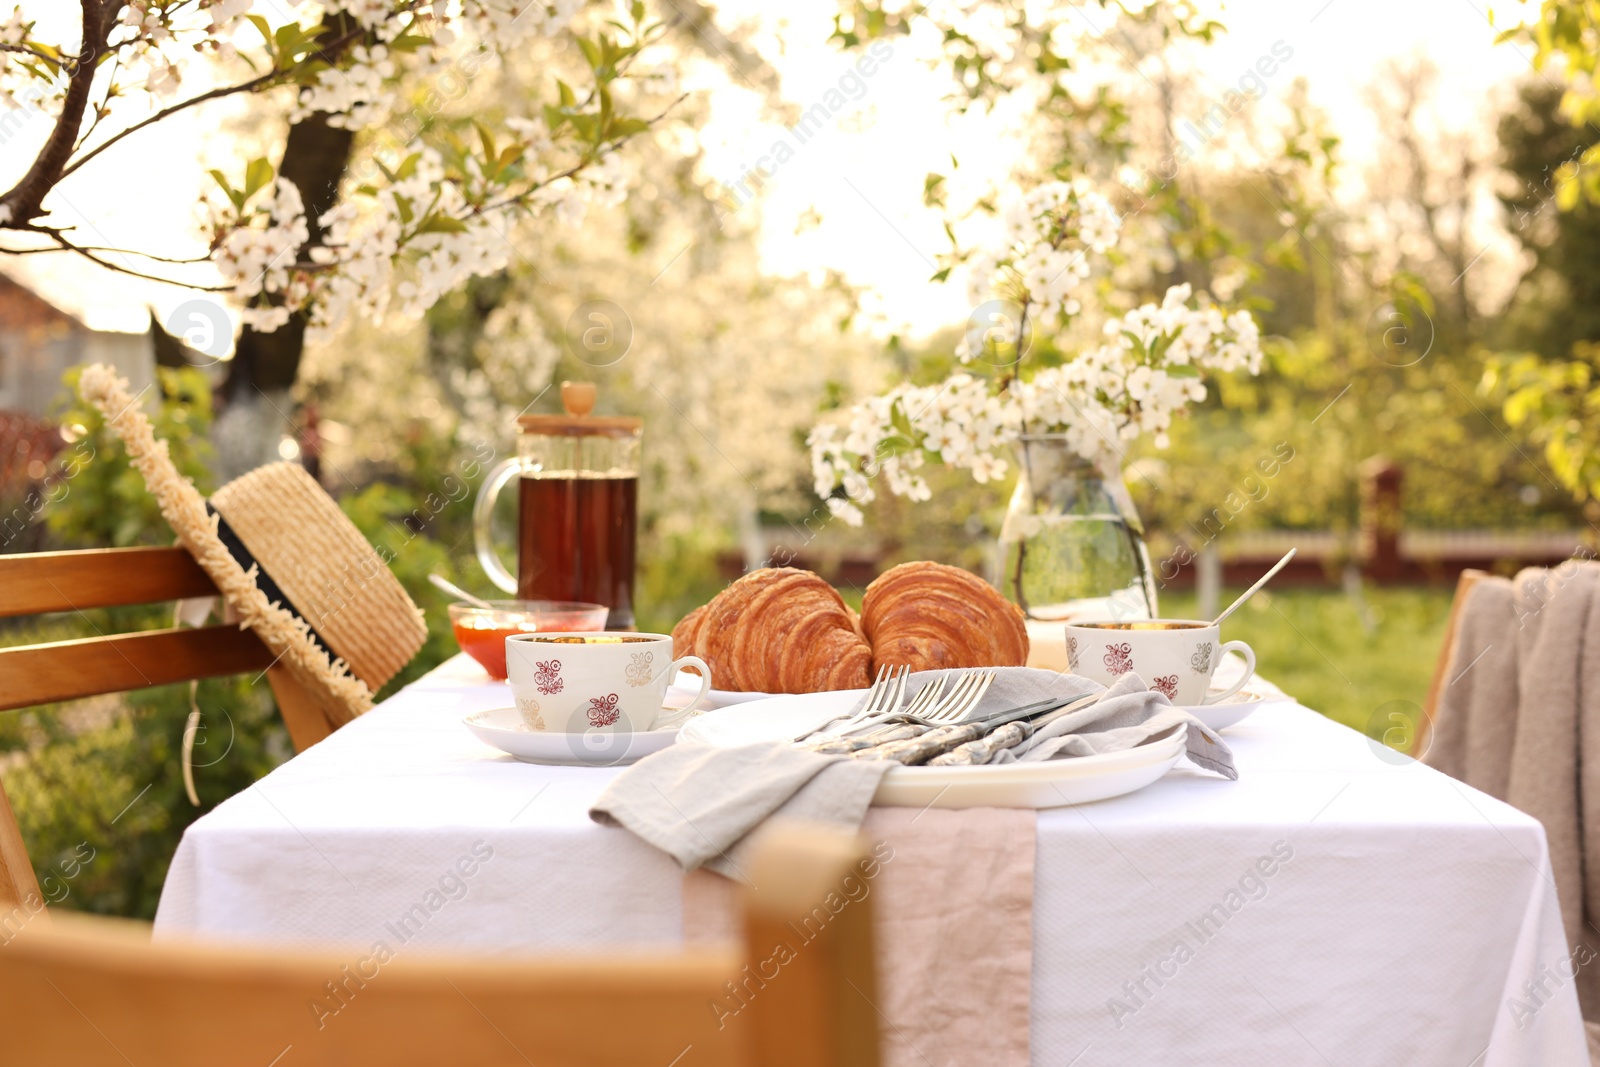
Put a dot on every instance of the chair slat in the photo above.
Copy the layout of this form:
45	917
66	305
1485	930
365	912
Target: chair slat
101	989
302	713
20	901
38	582
826	1015
67	670
119	1000
1441	666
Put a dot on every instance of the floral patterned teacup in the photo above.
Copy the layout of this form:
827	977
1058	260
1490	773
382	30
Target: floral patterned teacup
580	682
1175	656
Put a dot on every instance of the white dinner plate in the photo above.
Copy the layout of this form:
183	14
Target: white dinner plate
1046	784
504	729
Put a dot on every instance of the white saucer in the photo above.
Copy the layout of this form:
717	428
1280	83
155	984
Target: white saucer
504	729
1237	707
1046	784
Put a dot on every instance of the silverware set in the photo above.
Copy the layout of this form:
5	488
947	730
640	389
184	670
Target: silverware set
942	702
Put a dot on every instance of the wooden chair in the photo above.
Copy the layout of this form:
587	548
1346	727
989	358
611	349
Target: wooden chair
1441	667
44	582
110	997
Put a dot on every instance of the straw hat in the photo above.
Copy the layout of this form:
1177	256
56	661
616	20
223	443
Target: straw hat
286	560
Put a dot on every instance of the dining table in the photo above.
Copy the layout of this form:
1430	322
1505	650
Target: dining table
1339	904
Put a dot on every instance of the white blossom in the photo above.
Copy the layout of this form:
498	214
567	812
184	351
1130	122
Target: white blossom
1054	235
407	231
260	245
1146	373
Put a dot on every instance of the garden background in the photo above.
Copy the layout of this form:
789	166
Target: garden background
1428	296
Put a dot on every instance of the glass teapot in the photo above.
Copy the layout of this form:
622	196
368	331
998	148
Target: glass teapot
577	512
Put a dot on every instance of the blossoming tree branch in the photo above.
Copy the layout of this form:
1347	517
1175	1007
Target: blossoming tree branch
419	217
1099	397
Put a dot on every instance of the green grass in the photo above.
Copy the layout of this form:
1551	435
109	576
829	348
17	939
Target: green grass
1314	644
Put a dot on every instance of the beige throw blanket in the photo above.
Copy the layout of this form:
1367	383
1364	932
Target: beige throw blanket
953	912
1519	718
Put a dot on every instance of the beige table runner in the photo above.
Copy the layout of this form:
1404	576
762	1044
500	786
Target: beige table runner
953	911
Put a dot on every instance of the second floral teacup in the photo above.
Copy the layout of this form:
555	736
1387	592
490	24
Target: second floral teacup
578	682
1173	656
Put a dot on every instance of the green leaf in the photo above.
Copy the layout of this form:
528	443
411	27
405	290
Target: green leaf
627	127
234	195
437	223
264	28
409	42
585	125
291	40
257	176
901	422
486	139
591	52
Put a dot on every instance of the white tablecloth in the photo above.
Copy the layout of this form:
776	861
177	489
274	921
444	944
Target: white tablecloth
1407	919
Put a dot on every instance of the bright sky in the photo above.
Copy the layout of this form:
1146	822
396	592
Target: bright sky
863	177
865	180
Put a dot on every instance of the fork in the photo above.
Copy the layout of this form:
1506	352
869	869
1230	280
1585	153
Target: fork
925	699
953	708
962	700
885	695
951	711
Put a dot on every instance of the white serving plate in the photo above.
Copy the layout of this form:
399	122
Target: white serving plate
1047	784
774	718
504	729
685	685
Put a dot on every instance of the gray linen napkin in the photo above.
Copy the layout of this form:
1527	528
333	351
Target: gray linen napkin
699	803
1127	714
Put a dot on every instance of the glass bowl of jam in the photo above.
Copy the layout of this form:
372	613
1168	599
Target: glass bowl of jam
482	632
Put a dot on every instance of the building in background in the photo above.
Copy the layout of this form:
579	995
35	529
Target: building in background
39	342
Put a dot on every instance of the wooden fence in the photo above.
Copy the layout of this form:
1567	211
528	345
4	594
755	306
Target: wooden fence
1380	551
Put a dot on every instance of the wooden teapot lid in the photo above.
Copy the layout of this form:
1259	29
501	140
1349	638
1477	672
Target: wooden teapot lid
578	398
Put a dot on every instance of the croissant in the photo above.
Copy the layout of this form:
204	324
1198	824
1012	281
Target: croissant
777	630
930	616
687	632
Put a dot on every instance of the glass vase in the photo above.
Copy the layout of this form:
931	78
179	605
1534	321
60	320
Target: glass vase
1072	546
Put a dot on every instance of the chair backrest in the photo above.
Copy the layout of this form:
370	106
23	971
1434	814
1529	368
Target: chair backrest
46	582
113	998
1441	666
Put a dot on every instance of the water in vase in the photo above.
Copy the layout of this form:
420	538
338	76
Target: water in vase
1072	546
